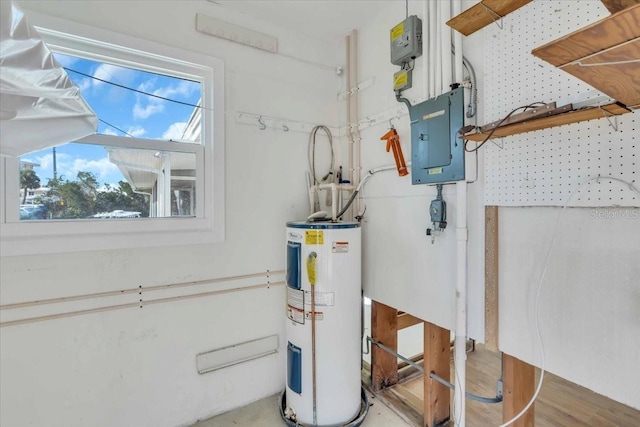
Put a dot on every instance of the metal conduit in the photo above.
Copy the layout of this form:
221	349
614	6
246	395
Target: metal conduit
441	380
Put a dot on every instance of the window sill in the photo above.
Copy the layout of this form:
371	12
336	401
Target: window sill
47	237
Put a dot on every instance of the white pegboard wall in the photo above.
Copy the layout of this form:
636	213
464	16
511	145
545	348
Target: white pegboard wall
542	168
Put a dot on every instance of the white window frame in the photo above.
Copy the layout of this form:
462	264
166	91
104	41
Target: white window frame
54	236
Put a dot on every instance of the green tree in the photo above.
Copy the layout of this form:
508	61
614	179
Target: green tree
122	197
88	184
72	199
28	180
80	198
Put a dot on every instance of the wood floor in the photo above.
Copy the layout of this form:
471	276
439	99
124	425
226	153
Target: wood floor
560	404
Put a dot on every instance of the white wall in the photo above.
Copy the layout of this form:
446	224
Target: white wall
589	306
137	366
589	310
401	266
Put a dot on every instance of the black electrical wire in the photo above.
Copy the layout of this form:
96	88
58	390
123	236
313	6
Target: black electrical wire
115	127
135	90
505	118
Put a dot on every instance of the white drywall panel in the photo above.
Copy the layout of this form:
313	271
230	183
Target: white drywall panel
401	267
588	310
542	168
137	366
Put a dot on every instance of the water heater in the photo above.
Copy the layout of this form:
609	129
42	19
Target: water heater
323	311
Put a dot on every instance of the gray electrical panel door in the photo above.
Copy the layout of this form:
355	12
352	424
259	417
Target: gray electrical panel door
437	154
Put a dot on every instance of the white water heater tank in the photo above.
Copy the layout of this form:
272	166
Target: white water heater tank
332	253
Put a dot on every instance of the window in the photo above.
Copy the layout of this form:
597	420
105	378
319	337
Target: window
150	176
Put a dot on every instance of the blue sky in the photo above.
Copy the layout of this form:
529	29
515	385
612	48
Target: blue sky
139	115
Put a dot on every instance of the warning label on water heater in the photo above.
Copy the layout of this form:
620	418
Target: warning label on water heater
318	315
340	247
326	299
295	305
314	237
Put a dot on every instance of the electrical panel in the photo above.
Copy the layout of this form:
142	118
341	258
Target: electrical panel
437	153
406	40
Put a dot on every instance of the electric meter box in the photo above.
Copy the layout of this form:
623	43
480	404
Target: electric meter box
406	40
437	151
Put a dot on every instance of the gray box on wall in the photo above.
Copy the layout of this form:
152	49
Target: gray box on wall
406	40
437	152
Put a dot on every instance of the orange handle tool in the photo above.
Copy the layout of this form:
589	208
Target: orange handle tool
393	143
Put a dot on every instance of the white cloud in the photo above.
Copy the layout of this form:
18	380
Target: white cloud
175	131
84	84
112	73
147	106
184	88
109	131
102	168
136	131
153	107
46	161
68	166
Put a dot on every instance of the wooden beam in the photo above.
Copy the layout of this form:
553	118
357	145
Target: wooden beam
491	313
384	329
519	385
437	360
406	320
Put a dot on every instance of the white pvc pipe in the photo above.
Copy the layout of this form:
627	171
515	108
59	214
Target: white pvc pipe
348	83
357	146
432	48
447	74
438	47
425	48
312	195
460	351
457	43
334	197
460	347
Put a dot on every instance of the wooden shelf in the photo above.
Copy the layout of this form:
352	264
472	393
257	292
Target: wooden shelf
483	14
551	121
603	54
614	6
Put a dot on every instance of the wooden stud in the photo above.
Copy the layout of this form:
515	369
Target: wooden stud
406	320
491	313
384	329
437	344
518	388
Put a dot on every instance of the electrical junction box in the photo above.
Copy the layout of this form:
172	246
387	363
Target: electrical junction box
402	80
437	153
406	40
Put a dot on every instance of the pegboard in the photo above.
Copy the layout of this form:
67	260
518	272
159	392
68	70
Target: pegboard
542	168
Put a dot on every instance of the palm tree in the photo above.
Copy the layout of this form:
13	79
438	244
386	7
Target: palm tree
28	180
